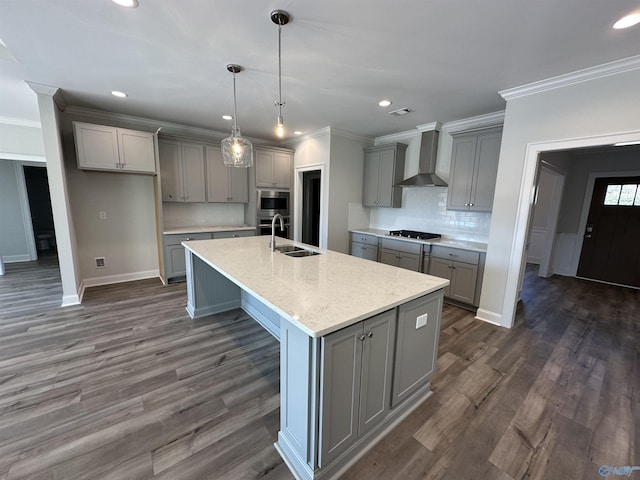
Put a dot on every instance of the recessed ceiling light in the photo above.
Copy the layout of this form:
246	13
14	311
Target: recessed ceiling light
297	132
126	3
227	117
628	21
117	93
384	103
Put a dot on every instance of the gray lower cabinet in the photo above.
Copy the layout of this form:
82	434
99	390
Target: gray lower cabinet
401	253
364	246
461	268
174	259
356	379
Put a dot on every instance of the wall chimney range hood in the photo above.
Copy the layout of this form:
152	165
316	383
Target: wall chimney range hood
426	176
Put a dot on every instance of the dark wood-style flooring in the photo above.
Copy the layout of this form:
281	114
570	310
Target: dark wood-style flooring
126	386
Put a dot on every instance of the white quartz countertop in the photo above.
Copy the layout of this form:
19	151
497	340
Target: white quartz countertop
320	293
443	241
226	228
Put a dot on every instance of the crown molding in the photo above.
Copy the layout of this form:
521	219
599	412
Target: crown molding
584	75
475	123
428	127
20	122
350	135
49	90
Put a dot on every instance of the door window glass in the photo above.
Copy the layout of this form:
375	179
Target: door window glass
628	194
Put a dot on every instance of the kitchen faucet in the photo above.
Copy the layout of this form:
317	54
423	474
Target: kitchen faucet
272	244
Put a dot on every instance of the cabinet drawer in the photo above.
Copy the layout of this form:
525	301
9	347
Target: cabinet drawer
177	239
364	238
234	234
402	246
455	254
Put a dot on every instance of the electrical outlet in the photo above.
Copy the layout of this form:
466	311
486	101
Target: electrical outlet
421	321
100	262
103	215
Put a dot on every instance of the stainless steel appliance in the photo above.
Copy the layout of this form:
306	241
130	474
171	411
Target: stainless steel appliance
414	234
263	227
271	202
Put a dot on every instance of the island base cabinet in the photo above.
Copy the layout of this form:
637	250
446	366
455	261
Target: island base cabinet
416	345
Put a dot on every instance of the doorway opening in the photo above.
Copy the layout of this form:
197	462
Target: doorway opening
39	198
311	188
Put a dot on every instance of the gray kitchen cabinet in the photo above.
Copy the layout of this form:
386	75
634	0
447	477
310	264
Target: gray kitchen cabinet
174	258
416	345
401	253
364	246
273	168
100	147
234	233
182	171
356	377
383	170
461	268
474	166
225	184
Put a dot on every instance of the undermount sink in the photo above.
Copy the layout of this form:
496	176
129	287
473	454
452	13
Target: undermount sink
295	251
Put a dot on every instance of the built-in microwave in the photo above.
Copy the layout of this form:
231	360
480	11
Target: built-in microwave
271	202
263	227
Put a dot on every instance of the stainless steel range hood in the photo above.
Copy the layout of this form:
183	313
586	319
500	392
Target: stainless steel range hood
426	176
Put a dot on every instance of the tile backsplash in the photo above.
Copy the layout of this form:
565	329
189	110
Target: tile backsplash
425	209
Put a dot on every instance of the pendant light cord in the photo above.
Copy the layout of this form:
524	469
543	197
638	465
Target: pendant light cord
235	108
280	67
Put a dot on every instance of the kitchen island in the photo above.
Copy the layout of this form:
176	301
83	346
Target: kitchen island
358	340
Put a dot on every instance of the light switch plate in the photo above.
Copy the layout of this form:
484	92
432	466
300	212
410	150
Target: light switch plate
103	215
421	321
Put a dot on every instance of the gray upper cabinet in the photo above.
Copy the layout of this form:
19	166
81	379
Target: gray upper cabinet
225	184
383	169
273	168
101	147
474	166
356	371
182	171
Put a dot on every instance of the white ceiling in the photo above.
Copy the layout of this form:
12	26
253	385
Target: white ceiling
444	59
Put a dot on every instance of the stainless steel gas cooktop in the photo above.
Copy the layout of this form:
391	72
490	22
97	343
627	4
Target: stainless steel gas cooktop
414	234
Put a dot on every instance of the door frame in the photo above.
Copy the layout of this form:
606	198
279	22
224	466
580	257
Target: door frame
546	260
586	206
298	182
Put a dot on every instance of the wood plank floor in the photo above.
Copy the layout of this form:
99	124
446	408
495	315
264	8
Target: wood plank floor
126	386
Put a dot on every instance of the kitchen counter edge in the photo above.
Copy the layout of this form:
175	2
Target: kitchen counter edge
445	242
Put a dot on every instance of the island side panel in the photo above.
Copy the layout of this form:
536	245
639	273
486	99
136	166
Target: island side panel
298	400
208	291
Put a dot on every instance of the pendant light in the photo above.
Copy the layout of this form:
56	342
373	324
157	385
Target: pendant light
280	18
236	151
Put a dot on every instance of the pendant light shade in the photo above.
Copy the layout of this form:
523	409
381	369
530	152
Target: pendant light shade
236	150
280	18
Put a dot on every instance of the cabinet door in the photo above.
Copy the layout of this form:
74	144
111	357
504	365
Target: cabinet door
362	250
462	169
485	172
416	346
341	355
440	268
409	261
217	176
97	146
170	171
234	233
463	282
370	179
192	157
282	170
264	169
238	185
175	261
137	153
390	257
377	361
386	178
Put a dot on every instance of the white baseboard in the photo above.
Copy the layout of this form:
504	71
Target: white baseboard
25	257
125	277
68	300
490	317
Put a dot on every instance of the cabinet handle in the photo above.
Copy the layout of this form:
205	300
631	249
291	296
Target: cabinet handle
236	236
188	238
453	255
471	204
370	334
362	337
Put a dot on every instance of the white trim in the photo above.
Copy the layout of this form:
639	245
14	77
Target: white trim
19	157
23	257
20	122
493	318
297	188
1	265
546	258
527	188
121	278
586	206
488	120
68	300
26	211
591	73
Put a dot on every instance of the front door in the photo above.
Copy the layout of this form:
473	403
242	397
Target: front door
610	251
